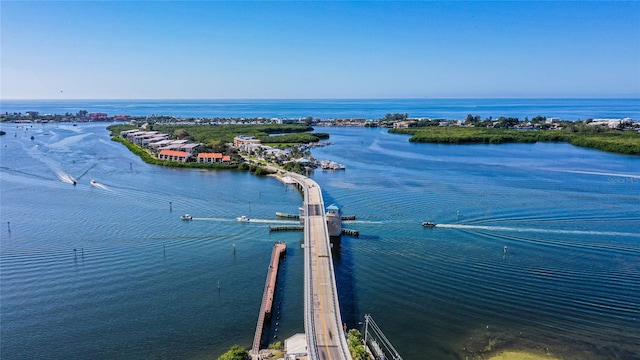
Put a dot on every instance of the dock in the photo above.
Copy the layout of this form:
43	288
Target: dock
351	232
286	228
287	216
279	249
348	217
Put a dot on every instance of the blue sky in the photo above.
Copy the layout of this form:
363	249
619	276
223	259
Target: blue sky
244	50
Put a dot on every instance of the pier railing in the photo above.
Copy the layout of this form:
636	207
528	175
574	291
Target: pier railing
267	297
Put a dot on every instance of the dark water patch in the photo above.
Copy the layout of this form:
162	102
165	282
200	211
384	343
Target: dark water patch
345	269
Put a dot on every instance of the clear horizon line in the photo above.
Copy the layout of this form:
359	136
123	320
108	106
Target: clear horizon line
321	98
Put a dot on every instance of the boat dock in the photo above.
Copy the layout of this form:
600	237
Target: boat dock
286	228
279	249
287	216
296	216
351	232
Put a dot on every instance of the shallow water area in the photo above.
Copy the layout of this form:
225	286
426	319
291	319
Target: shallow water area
518	355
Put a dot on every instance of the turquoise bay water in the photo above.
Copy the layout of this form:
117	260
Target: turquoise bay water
566	109
143	284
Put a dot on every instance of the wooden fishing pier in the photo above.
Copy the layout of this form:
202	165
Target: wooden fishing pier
279	250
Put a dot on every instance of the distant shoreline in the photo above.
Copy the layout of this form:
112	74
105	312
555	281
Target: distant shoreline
619	142
448	108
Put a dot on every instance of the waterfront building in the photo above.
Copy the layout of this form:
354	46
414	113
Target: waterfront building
173	155
158	144
240	140
188	147
209	158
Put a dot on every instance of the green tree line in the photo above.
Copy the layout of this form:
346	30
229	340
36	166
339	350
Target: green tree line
215	135
622	142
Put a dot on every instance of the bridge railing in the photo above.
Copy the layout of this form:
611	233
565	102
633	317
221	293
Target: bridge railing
312	345
377	342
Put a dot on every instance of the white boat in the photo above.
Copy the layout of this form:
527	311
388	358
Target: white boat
331	165
243	219
186	217
93	182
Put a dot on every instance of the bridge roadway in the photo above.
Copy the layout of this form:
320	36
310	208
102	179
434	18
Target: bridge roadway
326	339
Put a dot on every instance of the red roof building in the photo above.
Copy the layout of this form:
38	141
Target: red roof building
172	155
210	158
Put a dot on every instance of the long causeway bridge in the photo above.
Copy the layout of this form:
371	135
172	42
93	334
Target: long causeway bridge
323	327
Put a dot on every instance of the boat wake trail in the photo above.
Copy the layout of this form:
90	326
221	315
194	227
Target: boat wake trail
269	221
628	176
261	221
64	177
210	219
99	186
362	222
86	171
548	231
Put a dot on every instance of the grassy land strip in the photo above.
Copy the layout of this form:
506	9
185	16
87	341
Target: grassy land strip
621	142
290	133
287	134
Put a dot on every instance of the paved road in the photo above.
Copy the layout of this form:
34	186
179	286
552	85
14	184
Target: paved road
323	324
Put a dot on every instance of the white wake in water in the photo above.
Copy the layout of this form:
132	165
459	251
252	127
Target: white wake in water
64	177
362	222
547	231
274	221
628	176
211	219
262	221
100	186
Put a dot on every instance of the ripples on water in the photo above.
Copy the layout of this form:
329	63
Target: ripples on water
141	283
569	280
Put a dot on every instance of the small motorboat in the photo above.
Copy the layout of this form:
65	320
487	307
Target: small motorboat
93	181
243	219
428	224
186	217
